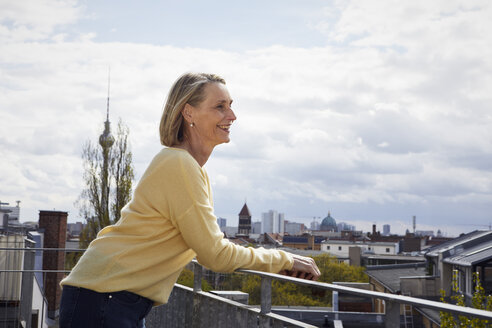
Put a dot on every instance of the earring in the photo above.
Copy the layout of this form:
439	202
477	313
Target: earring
192	124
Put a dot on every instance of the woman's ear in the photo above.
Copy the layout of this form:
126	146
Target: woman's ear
187	113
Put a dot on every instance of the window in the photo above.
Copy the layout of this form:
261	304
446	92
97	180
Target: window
339	248
327	248
387	250
460	277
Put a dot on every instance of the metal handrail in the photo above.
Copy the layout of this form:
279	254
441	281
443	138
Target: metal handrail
36	271
41	249
419	302
267	277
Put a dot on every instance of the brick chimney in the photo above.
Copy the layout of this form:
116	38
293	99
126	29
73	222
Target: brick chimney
54	224
311	242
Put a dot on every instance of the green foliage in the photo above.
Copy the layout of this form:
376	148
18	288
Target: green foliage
71	258
186	278
252	286
108	177
479	301
332	270
286	293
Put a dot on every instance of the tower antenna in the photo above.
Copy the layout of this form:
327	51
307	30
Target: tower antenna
107	106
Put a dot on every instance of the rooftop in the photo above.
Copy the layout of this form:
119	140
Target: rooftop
468	240
473	255
389	275
358	242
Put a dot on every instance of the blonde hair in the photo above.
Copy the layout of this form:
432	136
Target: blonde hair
188	89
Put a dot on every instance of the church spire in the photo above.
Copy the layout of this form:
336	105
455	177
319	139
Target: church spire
244	227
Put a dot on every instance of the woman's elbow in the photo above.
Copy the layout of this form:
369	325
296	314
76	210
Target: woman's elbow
218	262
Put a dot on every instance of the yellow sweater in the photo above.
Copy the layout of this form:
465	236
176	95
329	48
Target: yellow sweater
169	221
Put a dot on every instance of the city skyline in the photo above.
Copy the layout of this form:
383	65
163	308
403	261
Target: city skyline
396	227
372	111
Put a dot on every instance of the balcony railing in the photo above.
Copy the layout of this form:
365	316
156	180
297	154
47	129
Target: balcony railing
192	307
23	283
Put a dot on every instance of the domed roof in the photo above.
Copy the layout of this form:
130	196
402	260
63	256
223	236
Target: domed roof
328	223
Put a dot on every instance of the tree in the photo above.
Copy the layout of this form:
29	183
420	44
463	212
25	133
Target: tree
108	177
187	278
478	301
287	293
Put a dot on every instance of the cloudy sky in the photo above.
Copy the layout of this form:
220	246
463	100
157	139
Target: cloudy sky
373	110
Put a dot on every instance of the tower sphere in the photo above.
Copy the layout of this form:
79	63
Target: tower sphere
106	140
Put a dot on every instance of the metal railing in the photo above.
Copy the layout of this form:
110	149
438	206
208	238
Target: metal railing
23	282
192	307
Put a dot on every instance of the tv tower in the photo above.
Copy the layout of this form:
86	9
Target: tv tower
106	140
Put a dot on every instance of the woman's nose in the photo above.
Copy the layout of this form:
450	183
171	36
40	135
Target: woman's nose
232	116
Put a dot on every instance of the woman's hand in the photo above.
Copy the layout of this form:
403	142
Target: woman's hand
304	268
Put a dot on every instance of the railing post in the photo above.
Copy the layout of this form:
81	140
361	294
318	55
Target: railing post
392	317
197	287
27	285
266	295
197	277
334	303
266	301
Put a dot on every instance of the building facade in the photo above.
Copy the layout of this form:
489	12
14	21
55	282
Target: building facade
341	248
294	228
256	227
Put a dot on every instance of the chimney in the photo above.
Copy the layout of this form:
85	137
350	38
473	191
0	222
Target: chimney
374	229
311	242
54	224
355	256
5	221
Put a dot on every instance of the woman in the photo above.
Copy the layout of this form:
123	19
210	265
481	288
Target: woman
134	264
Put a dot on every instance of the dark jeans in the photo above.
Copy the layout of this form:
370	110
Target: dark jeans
84	308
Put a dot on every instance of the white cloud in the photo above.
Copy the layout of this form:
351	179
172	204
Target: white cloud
386	115
34	20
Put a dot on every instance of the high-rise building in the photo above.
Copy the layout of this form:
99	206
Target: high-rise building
386	230
281	223
222	223
268	221
244	227
273	222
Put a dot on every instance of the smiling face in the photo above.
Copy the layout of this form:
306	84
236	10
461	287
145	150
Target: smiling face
212	118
